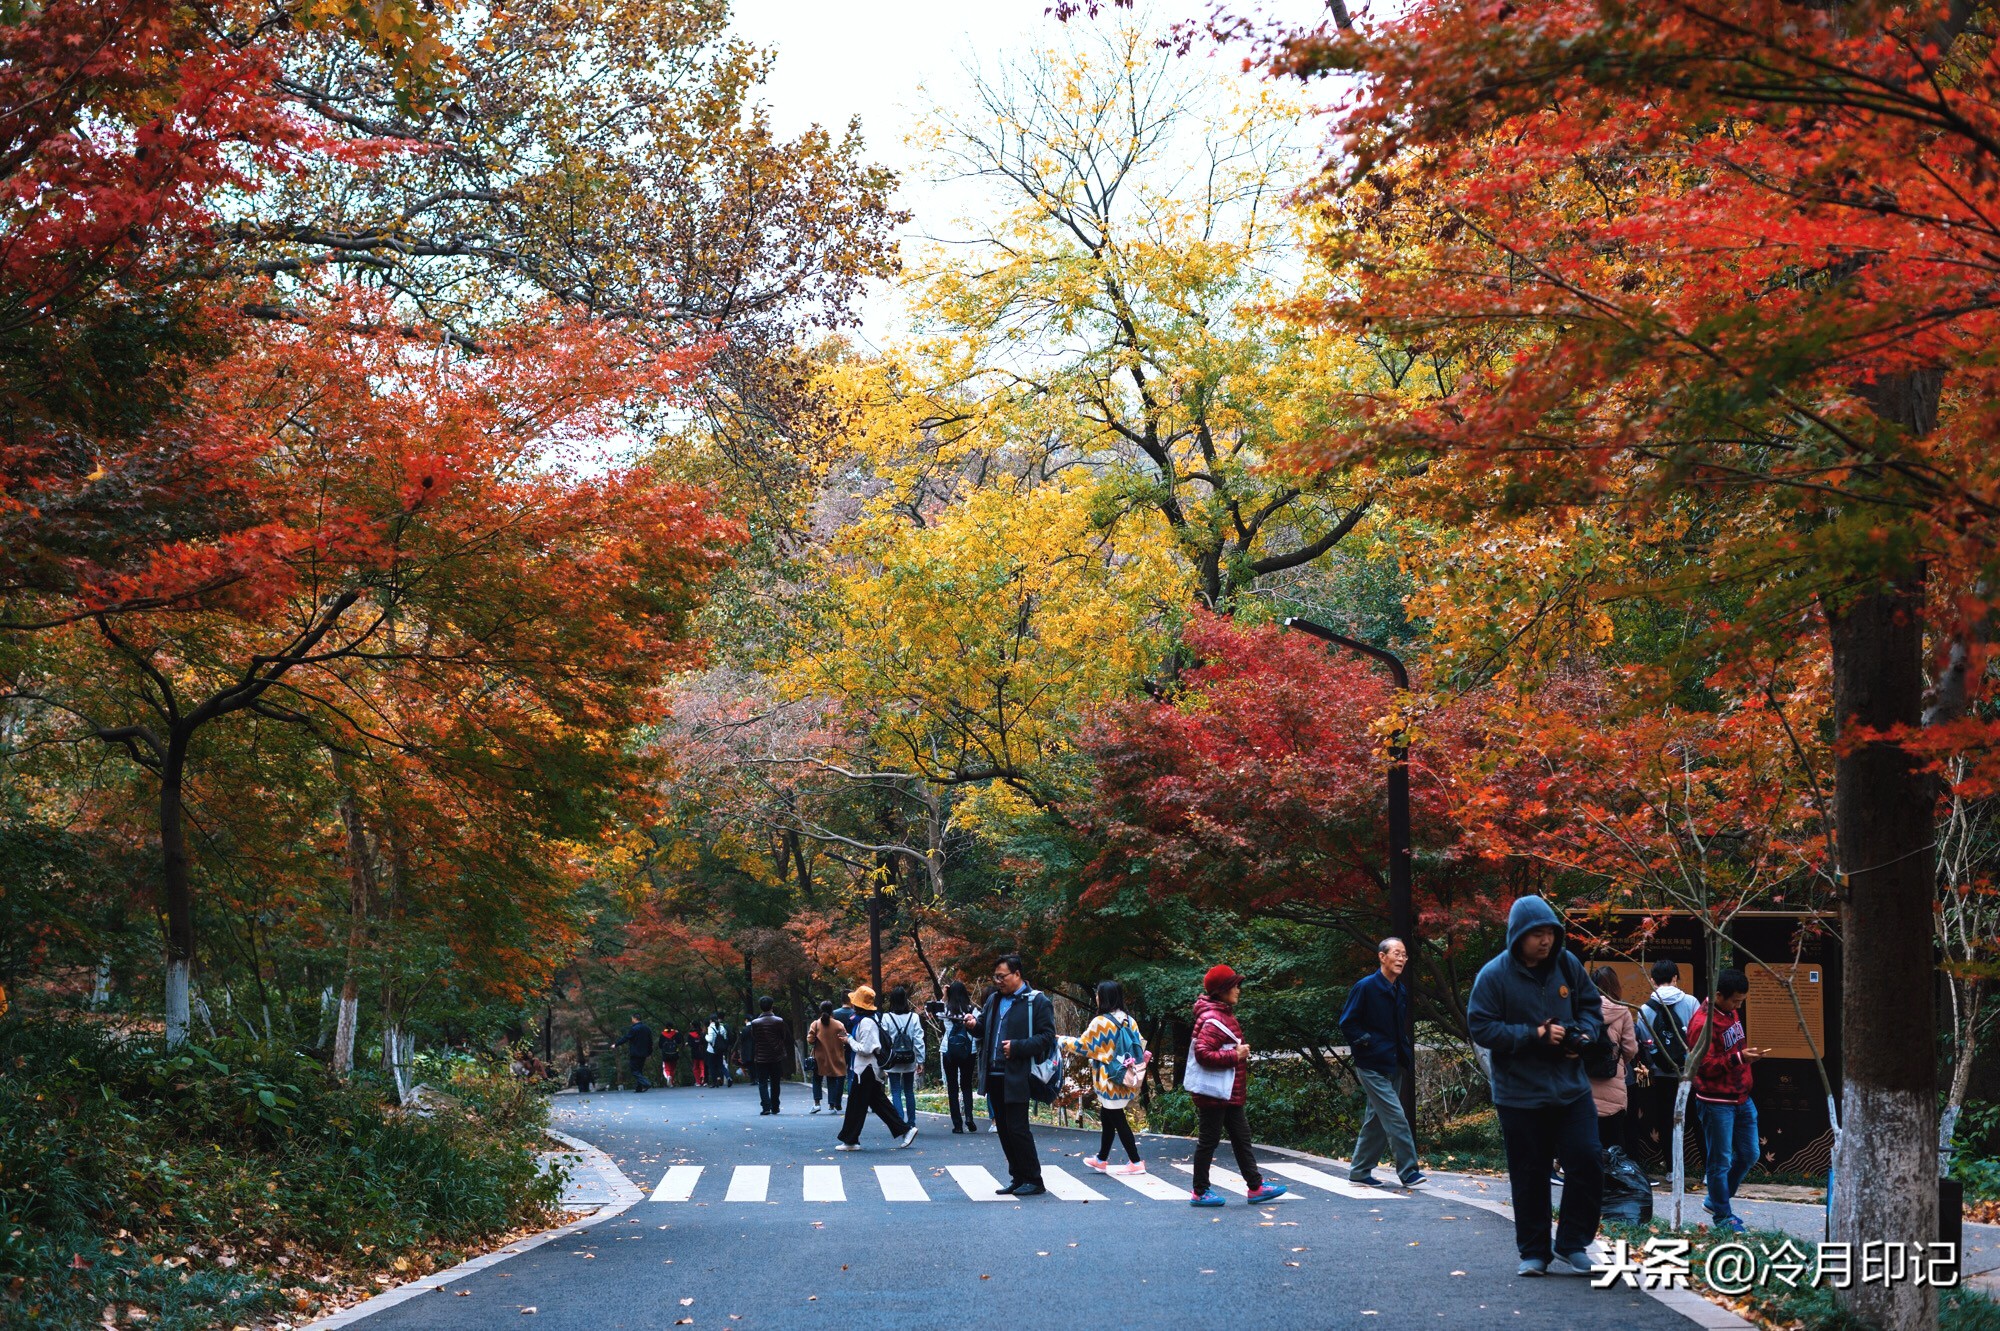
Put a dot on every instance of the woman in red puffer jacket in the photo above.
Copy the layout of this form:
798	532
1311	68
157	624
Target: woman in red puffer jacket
1219	1047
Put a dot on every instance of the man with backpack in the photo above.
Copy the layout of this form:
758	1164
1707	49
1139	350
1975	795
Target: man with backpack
1663	1021
719	1040
1535	1011
770	1043
1376	1023
1018	1062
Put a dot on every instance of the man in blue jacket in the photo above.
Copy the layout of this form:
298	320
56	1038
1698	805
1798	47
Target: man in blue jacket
1533	1008
1376	1022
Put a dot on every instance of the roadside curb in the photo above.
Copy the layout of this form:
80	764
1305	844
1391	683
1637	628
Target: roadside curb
622	1195
1702	1312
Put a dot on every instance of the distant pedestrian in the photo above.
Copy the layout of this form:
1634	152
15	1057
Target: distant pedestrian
583	1075
1533	1009
697	1050
1376	1022
670	1055
719	1041
638	1042
1219	1083
1722	1080
1116	1052
958	1057
903	1056
1016	1030
866	1043
770	1042
827	1039
1622	1032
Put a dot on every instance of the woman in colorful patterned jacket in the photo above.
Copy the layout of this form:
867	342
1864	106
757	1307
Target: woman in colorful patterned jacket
1113	1046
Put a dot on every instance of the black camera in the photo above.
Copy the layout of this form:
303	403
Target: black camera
935	1007
1575	1040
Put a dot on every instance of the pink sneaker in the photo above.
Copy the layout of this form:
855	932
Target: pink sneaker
1136	1167
1101	1166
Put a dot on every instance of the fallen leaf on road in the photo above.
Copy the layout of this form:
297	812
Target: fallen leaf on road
1298	1250
463	1293
1291	1263
1369	1312
687	1303
1208	1270
982	1277
526	1311
1414	1242
1458	1273
1041	1254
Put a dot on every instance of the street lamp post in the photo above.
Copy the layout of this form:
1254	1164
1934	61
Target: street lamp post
1402	913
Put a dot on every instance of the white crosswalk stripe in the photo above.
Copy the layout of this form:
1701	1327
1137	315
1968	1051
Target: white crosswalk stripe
900	1184
977	1181
750	1183
1319	1178
1231	1182
1068	1187
823	1184
678	1185
1151	1185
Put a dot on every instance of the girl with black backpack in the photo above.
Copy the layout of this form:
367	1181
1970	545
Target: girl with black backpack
958	1057
904	1031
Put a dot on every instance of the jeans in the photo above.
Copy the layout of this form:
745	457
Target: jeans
864	1095
959	1074
903	1094
1535	1139
833	1086
1116	1126
638	1066
1017	1139
770	1077
1383	1126
1215	1121
1729	1140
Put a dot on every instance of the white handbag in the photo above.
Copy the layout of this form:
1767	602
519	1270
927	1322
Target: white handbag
1215	1083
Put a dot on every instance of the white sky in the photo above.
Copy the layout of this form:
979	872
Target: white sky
872	58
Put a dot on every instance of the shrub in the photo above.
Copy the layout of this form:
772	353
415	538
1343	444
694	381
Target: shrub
217	1161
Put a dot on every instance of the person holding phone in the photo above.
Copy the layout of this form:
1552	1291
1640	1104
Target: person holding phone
1722	1094
958	1056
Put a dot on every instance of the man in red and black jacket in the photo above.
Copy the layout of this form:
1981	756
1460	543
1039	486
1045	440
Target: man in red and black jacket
1722	1094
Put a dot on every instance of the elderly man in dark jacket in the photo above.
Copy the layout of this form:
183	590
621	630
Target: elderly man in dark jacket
1376	1023
638	1042
769	1045
1533	1008
1016	1030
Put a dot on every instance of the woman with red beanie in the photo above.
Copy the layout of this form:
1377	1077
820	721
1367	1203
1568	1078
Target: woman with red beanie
1219	1082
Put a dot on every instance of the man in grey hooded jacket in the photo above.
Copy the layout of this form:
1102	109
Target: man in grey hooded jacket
1531	1008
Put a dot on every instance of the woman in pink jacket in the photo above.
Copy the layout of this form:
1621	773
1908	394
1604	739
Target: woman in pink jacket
1219	1047
1620	1029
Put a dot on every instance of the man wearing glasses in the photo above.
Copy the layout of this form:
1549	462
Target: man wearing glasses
1016	1029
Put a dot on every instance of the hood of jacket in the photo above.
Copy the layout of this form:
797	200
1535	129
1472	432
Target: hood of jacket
1669	994
1532	913
1210	1006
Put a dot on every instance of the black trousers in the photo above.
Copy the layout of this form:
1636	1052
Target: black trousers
1116	1125
718	1070
959	1074
637	1062
1017	1139
770	1077
1215	1121
1536	1138
865	1094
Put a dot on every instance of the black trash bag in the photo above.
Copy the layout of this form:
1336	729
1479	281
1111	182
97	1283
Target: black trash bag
1628	1193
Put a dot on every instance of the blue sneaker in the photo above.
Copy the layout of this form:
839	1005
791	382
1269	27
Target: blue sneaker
1270	1192
1206	1199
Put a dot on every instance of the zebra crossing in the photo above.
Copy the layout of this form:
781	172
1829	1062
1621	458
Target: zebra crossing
975	1183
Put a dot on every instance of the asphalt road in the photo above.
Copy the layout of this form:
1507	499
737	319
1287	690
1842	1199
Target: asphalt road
865	1261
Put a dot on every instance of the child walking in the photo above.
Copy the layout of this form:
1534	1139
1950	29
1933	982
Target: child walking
1117	1055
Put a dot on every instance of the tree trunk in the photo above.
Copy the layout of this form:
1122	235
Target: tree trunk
177	893
358	874
1885	1158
